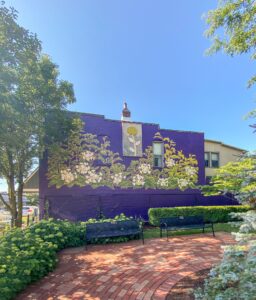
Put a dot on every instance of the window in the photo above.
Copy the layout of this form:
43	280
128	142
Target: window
207	159
211	159
215	160
158	153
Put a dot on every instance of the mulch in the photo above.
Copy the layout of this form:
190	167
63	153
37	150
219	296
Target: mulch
184	289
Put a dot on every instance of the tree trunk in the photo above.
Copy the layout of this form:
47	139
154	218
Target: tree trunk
20	203
11	189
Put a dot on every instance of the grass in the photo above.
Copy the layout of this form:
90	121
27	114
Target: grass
155	233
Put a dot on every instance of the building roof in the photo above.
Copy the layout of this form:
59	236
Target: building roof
31	183
138	122
225	145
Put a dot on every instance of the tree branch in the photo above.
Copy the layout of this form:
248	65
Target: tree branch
5	203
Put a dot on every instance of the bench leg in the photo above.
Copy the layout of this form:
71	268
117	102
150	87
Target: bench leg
213	233
167	234
203	229
161	232
142	237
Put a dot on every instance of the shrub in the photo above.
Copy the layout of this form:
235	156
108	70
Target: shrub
29	254
234	277
211	213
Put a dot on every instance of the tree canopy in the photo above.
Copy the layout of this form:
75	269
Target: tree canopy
232	29
32	107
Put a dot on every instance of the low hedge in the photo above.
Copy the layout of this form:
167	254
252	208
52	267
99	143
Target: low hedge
28	255
216	214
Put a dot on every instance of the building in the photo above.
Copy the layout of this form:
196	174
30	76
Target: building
83	202
31	183
218	154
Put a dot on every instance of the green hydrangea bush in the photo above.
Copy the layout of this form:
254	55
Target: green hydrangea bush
28	255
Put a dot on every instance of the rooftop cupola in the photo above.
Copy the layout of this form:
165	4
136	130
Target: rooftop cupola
126	114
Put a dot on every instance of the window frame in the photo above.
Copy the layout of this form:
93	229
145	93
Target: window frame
218	154
155	155
209	159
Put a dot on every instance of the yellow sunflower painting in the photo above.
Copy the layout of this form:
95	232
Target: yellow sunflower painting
132	139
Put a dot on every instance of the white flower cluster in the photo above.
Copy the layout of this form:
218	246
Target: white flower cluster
83	168
67	176
93	177
163	182
170	162
138	180
88	155
183	183
144	168
190	171
117	178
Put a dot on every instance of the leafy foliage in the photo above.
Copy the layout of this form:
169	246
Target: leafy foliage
237	178
27	255
82	159
32	106
232	28
211	213
234	277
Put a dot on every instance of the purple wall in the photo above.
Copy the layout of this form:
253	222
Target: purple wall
81	203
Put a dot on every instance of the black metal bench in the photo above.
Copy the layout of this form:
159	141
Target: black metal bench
113	229
182	223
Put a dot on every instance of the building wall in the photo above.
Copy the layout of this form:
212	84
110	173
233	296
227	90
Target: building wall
226	154
81	203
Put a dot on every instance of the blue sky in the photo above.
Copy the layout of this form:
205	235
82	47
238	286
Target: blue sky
150	53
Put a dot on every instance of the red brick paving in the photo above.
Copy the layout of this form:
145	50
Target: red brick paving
127	271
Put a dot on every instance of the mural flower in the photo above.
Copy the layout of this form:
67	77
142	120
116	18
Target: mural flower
138	180
183	183
190	171
117	178
163	182
88	156
170	162
132	131
83	168
145	168
67	176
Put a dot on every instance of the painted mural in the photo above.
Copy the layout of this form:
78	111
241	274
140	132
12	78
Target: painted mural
85	160
132	139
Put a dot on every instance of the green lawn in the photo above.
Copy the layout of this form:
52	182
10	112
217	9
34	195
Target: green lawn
154	232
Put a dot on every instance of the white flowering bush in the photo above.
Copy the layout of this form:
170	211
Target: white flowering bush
82	159
235	277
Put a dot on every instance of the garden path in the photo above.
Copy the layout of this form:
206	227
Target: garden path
128	270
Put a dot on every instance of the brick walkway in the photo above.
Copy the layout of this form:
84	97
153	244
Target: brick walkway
129	270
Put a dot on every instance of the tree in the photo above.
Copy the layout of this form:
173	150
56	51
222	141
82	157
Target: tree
232	28
32	106
234	277
237	178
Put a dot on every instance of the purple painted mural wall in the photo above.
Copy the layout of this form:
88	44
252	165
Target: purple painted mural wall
81	203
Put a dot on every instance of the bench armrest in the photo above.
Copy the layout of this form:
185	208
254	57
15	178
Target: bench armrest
163	225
